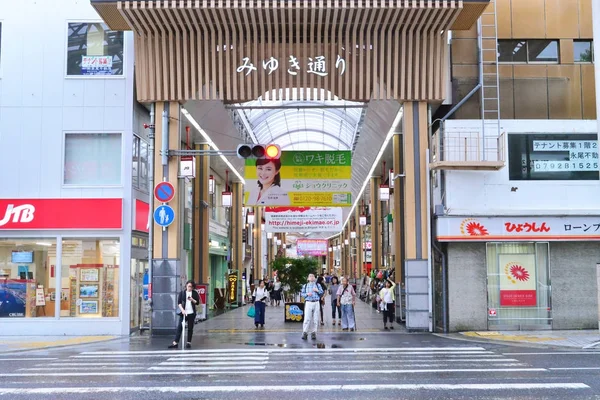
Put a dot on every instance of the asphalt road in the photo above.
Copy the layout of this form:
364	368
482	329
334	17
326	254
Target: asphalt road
276	366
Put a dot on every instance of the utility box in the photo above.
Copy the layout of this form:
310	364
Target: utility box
167	282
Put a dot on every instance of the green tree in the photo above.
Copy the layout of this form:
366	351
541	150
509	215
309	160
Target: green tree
293	272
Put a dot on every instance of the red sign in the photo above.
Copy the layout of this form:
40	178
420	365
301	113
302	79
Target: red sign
492	312
201	289
142	210
61	214
518	298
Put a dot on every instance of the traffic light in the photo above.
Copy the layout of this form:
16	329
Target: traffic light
268	151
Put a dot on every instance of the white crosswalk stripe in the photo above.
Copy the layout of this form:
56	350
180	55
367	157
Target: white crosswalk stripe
278	361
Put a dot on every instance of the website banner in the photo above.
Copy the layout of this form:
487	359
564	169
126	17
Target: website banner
303	219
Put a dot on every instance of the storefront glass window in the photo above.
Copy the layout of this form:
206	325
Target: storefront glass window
519	295
92	159
27	278
140	164
90	276
94	50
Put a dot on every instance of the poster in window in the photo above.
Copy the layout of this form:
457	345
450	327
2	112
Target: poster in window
89	275
518	280
88	307
88	291
96	65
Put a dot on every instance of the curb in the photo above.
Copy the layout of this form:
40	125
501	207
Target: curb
483	340
58	346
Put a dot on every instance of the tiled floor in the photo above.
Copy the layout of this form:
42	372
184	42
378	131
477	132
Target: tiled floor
575	339
367	320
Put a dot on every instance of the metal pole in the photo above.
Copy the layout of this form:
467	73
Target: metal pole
151	208
596	52
165	135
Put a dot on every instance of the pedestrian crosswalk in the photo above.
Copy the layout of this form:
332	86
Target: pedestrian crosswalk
278	370
279	361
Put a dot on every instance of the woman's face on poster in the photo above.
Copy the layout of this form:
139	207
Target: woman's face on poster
266	173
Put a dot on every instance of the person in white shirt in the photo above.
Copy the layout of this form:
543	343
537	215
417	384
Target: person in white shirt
259	297
311	293
268	190
387	299
186	308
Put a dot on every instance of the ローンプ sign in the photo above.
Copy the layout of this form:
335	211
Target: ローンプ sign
303	219
300	179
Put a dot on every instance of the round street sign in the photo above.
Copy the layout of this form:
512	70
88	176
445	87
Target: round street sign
164	192
164	215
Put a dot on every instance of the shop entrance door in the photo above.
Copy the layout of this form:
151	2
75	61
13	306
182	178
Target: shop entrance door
139	307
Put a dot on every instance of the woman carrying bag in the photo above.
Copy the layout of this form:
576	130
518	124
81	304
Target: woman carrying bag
259	297
186	308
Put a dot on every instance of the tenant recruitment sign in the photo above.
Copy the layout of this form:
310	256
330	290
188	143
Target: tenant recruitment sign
517	280
300	179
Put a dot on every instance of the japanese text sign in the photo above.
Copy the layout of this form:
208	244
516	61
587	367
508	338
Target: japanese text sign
517	280
303	219
518	228
300	179
96	65
311	247
318	65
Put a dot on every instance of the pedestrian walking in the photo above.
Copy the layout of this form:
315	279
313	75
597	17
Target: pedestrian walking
387	300
186	308
259	298
277	293
321	281
333	290
311	293
347	299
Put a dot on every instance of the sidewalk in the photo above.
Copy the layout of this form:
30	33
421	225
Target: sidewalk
10	344
236	321
579	339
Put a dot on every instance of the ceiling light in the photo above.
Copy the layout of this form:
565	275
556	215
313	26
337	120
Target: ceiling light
44	244
210	142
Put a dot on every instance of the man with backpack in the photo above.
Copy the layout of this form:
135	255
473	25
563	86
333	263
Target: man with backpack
311	293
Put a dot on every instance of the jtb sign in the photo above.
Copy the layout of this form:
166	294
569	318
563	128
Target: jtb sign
61	214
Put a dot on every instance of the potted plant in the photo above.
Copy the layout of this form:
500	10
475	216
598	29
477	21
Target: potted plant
292	273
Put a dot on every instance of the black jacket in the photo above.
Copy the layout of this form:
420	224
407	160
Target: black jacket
181	299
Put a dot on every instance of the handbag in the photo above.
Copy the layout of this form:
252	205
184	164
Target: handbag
251	312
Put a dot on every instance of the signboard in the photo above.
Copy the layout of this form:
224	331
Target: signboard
40	298
164	215
565	155
492	312
13	298
164	192
483	229
300	179
96	65
316	65
61	214
142	209
187	166
311	247
517	280
294	312
232	285
202	290
303	219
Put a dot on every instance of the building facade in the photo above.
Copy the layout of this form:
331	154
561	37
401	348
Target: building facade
521	238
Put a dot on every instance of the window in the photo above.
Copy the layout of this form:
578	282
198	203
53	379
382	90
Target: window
518	279
0	46
140	164
92	159
553	157
90	275
28	278
583	51
528	51
93	49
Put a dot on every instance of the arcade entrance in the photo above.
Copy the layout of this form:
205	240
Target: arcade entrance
350	83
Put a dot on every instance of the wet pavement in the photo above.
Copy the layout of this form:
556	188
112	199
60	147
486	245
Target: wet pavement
231	360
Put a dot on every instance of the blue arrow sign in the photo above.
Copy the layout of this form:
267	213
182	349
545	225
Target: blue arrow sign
164	215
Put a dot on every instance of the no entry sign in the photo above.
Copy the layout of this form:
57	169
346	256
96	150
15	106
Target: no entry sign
164	192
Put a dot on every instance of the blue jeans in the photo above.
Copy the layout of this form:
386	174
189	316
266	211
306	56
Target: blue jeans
347	316
259	312
335	307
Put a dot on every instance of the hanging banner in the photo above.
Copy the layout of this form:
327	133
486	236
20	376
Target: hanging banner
232	285
311	247
303	219
300	178
517	280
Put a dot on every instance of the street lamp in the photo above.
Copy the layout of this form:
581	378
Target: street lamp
226	199
250	217
211	184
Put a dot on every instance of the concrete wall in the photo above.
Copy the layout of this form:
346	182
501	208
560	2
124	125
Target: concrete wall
574	284
467	277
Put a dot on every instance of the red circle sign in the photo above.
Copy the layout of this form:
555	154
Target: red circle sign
164	192
492	312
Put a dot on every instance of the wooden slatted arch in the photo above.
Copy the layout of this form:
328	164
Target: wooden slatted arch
228	49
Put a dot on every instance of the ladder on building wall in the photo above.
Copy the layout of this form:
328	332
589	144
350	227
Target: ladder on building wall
489	75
